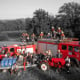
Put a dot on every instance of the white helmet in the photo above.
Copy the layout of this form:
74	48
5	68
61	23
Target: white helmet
58	50
48	33
62	32
52	26
59	28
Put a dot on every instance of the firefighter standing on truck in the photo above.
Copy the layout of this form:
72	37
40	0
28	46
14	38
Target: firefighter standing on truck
41	35
48	35
59	33
52	30
33	37
62	35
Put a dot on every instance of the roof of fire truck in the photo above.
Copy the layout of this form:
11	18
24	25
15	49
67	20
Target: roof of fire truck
56	41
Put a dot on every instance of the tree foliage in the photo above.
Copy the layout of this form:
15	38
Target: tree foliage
42	21
69	16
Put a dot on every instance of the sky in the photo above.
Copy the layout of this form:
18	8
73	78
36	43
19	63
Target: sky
15	9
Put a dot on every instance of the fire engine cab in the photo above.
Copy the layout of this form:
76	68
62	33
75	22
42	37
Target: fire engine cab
67	47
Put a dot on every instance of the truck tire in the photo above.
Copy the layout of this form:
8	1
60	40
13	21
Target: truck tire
74	62
44	66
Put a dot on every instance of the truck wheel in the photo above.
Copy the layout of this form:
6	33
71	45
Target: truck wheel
44	66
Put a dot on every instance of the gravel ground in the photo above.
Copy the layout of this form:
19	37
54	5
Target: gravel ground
37	74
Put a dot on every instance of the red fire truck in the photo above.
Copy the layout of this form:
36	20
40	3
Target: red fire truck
11	50
67	47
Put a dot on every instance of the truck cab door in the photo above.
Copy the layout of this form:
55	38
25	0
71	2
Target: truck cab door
64	50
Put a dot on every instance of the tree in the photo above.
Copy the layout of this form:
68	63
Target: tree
42	21
69	16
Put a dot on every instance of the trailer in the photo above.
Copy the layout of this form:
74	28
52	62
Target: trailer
10	64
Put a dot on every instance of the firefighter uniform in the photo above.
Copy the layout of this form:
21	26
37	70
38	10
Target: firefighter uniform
52	30
48	35
62	35
41	35
33	37
54	34
59	54
67	64
59	33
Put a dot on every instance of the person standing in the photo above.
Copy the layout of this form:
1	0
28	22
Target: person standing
59	33
48	35
33	37
67	64
62	35
59	54
52	30
41	35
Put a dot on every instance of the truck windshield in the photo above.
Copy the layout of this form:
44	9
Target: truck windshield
77	49
2	52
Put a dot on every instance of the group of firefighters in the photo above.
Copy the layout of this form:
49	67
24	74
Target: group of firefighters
28	58
54	34
59	34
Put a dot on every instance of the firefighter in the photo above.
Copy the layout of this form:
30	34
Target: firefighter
20	60
59	54
67	64
52	30
62	35
29	58
54	34
23	37
33	37
41	35
48	35
59	33
27	37
49	54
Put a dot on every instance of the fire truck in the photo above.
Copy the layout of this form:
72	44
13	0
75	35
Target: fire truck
68	47
15	49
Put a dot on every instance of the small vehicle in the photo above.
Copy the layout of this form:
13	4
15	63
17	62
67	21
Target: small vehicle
53	62
13	65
